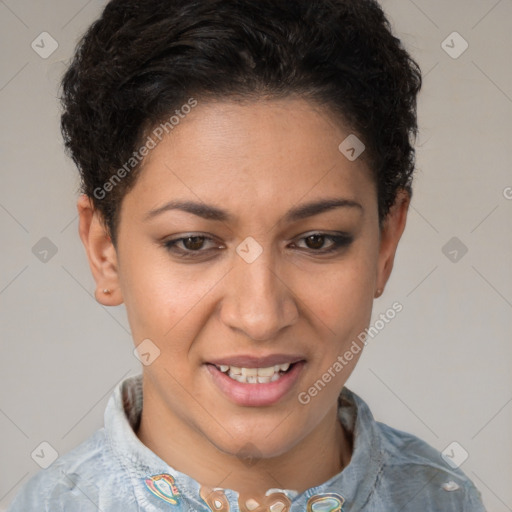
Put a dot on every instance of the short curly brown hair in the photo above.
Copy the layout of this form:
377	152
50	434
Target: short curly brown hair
144	59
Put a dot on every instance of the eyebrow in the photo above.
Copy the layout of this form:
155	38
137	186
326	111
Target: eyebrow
210	212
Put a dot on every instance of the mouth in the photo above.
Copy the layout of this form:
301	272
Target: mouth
255	375
248	381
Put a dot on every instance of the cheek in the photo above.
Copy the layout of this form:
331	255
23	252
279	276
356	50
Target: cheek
162	297
341	296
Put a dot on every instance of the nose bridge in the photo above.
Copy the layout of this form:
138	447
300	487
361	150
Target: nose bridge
257	302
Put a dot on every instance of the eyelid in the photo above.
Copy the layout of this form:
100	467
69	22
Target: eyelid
322	233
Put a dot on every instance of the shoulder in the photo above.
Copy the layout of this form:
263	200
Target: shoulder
71	482
422	477
407	473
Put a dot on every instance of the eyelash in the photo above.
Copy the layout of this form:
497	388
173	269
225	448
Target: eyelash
339	242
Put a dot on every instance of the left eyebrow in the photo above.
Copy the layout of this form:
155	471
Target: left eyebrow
316	207
214	213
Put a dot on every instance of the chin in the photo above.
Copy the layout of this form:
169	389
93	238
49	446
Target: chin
266	443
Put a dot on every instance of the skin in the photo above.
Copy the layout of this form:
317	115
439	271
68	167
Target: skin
256	160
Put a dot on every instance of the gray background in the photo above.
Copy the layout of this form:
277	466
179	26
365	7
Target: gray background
440	369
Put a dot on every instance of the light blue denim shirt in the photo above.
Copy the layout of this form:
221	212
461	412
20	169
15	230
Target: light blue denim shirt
113	471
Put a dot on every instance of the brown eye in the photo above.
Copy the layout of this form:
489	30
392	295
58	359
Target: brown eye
193	243
190	246
315	243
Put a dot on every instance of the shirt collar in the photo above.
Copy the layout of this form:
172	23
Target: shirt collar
147	471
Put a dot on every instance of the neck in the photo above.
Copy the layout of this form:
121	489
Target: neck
323	453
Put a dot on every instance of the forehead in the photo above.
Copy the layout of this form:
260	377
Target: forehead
252	155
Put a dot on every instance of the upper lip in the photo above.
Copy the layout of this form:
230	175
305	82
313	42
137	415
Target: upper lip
249	361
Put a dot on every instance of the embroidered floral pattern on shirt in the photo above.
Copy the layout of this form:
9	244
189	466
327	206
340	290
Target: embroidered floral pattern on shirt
273	502
215	499
163	486
326	503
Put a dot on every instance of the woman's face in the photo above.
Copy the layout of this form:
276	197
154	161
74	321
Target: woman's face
271	274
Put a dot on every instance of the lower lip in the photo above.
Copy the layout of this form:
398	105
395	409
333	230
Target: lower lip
256	395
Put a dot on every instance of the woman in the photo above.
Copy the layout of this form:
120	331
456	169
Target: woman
247	170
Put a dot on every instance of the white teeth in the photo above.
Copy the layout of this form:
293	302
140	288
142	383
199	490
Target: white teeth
266	372
254	375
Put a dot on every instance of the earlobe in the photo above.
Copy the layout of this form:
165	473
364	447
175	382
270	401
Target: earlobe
101	253
391	232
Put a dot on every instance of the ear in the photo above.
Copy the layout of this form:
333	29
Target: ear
392	228
101	253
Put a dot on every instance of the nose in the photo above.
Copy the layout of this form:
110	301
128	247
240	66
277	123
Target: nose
257	301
